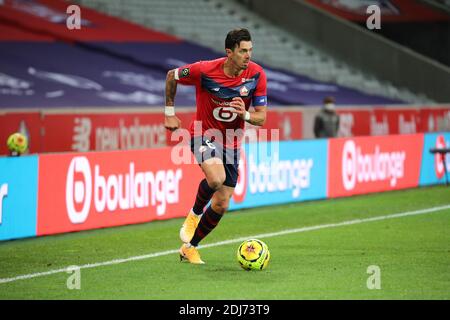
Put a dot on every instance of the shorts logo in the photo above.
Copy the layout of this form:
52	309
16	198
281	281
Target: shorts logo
184	72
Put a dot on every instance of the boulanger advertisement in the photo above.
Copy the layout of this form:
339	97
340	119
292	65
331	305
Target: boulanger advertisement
58	193
281	172
435	166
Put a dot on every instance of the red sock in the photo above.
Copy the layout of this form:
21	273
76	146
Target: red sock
204	194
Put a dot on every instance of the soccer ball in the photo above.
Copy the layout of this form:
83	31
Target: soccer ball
17	142
253	254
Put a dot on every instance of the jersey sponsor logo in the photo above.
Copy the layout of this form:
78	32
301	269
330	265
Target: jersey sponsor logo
221	103
224	114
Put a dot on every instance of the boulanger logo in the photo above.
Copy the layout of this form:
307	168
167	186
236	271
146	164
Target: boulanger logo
3	194
439	159
78	193
122	191
270	174
359	167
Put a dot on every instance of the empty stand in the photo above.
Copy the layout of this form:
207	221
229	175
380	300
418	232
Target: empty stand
205	22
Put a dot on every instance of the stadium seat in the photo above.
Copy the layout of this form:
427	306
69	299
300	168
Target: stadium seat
202	20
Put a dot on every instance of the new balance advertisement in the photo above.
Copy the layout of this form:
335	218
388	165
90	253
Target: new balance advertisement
94	190
435	166
18	197
373	164
106	131
272	173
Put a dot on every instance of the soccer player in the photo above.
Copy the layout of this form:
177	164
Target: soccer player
225	89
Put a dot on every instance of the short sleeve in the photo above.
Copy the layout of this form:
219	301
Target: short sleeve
260	94
188	74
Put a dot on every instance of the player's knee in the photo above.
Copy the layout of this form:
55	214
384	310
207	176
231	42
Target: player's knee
215	182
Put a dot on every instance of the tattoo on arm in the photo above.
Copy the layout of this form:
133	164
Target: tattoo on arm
171	88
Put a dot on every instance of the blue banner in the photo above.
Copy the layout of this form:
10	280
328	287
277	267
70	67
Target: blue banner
433	168
18	197
275	173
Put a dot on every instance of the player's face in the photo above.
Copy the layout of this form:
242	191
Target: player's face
241	54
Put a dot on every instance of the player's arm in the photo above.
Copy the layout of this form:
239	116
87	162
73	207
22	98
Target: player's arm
256	118
171	121
259	101
186	75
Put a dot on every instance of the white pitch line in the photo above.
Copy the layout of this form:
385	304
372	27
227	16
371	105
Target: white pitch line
231	241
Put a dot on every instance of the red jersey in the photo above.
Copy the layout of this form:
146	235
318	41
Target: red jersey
214	92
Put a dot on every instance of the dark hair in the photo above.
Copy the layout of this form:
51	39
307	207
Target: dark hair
234	38
329	99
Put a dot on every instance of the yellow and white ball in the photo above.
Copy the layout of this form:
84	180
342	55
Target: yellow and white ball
17	142
253	254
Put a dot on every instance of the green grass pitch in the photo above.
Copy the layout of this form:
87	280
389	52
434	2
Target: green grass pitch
412	253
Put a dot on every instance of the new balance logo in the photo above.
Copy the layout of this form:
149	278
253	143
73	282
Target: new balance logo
215	89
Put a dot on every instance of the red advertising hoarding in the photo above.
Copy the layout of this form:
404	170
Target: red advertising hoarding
124	131
288	125
106	131
80	191
354	122
380	120
373	164
397	121
434	119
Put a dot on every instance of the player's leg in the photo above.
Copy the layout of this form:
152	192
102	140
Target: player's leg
213	214
208	221
219	203
214	177
209	156
226	174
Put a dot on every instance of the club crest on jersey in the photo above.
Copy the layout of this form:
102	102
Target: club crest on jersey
243	91
184	73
